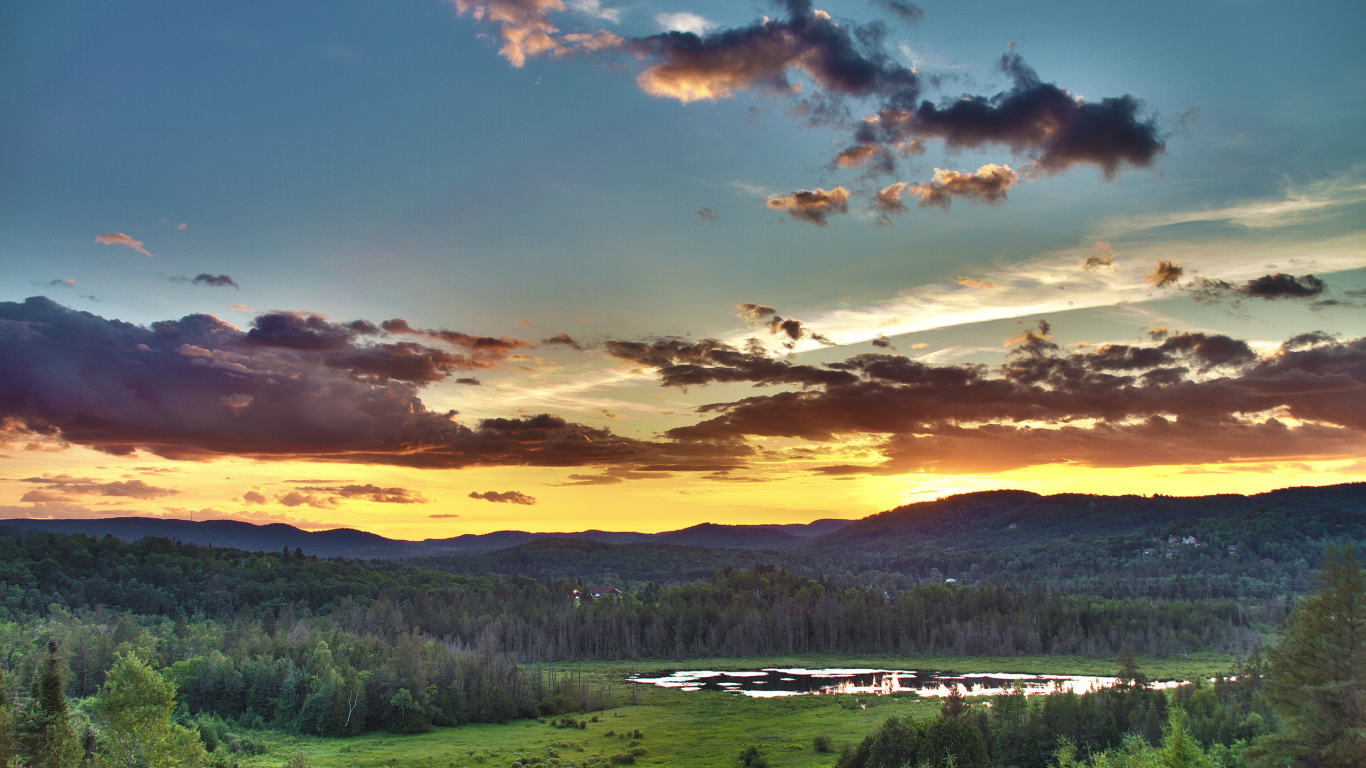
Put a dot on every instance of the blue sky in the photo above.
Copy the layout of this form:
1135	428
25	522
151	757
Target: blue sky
377	161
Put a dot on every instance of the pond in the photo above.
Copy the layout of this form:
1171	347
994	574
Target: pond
880	682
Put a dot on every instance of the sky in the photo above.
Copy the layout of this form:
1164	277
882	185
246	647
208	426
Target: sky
435	267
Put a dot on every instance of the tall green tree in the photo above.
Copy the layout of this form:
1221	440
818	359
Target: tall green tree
7	755
46	738
1317	677
134	708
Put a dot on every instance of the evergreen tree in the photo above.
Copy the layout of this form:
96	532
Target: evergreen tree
1179	748
7	756
1317	679
134	707
951	742
1129	673
46	738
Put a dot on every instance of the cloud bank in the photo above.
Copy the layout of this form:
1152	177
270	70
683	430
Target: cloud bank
295	386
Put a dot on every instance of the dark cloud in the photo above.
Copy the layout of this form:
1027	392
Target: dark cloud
204	278
1114	405
904	10
1035	119
682	363
294	330
563	339
707	214
482	351
504	497
842	60
755	314
1164	274
1270	287
371	493
988	184
1036	342
469	380
443	517
882	342
1103	257
61	283
403	361
814	206
64	487
199	388
254	497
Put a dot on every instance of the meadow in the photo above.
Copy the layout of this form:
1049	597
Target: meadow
690	728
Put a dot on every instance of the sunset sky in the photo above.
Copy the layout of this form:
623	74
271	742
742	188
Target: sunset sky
637	266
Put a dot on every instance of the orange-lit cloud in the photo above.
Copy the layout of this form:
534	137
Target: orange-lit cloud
118	238
814	206
1164	274
988	184
527	31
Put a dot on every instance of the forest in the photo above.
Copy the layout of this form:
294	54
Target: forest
237	644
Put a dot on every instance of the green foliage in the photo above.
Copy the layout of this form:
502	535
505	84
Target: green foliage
7	752
752	757
1179	748
45	736
948	743
134	709
408	714
1317	679
822	743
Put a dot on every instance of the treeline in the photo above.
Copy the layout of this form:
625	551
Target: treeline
766	611
1300	707
1259	553
288	642
154	576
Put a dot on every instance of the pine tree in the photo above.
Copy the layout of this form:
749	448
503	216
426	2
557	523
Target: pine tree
1317	677
1129	673
7	755
45	736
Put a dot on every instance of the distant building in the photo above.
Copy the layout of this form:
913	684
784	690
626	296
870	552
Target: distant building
1013	526
597	592
1149	552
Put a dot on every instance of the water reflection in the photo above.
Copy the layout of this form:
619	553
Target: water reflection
875	682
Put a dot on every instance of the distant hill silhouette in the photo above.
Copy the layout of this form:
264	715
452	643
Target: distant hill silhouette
1013	518
348	542
986	519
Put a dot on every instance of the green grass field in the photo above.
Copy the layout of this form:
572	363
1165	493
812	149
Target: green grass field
693	728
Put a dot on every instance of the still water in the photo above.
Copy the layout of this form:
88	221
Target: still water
879	682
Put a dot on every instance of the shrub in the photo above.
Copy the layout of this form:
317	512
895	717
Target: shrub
751	757
623	758
822	743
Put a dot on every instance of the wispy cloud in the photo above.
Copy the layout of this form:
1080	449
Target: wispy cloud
118	238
